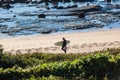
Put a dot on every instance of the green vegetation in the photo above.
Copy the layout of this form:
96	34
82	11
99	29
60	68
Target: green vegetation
102	65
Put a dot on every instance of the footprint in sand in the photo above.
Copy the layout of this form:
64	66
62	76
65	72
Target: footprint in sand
84	45
75	46
28	50
18	52
117	42
95	44
46	49
111	44
54	48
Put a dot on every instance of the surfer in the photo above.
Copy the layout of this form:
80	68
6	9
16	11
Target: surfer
64	45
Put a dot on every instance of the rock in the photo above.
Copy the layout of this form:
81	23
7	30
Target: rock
83	25
66	0
107	0
34	2
14	15
45	0
60	7
3	27
46	31
54	0
6	6
91	8
78	0
73	6
81	15
82	0
87	4
116	6
46	3
41	16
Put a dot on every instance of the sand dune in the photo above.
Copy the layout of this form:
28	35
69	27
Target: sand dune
79	42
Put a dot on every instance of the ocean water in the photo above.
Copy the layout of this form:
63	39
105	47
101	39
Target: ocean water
23	19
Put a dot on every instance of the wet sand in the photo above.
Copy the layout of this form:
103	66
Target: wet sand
82	42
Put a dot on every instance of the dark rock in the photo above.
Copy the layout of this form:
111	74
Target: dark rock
73	6
87	4
41	16
107	0
46	31
34	2
45	0
48	8
60	0
19	1
78	0
91	8
6	6
66	0
81	15
3	27
46	4
83	0
84	25
60	7
116	6
54	0
14	15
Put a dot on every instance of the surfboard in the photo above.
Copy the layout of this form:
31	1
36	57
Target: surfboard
60	43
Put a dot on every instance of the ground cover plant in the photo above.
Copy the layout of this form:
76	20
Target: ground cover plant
101	65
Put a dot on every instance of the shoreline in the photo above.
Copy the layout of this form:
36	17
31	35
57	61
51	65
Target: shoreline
80	42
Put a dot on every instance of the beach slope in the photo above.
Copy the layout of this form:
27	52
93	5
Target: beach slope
82	42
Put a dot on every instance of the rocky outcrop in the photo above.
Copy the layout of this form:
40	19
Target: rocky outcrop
116	6
6	6
3	28
83	25
41	16
86	8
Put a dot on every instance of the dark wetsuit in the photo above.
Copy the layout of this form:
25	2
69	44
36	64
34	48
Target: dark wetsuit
64	45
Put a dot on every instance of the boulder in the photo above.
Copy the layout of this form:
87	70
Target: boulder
81	15
41	16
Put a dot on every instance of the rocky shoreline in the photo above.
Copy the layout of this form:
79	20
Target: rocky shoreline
49	18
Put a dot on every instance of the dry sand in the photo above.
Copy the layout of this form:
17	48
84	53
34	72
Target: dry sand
82	42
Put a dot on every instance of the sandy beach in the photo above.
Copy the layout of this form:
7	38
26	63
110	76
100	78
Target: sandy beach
82	42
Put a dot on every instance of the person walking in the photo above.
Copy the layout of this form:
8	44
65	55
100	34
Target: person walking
64	45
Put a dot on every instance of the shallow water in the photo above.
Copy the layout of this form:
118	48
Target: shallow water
23	19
